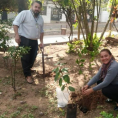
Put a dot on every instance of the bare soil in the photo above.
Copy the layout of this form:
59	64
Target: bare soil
39	100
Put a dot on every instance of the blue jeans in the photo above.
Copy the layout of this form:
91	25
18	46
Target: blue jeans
27	60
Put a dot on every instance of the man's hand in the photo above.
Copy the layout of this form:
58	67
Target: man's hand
41	40
88	92
17	39
41	45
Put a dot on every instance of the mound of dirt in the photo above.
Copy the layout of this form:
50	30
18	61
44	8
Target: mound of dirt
89	102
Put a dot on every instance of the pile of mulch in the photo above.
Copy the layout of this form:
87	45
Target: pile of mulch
89	102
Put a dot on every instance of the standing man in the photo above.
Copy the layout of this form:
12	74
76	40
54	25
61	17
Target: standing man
28	27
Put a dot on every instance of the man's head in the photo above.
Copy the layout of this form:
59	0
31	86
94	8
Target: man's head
36	7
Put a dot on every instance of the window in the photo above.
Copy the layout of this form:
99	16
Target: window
44	10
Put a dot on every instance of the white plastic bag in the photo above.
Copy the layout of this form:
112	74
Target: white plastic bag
62	97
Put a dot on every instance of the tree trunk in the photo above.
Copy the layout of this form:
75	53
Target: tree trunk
110	29
78	31
92	26
79	20
78	23
71	32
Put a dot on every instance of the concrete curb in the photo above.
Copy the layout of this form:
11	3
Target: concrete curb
58	43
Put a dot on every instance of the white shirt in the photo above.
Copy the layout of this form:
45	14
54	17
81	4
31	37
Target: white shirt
28	26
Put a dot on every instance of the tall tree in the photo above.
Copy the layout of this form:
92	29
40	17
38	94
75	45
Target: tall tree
89	29
114	14
81	8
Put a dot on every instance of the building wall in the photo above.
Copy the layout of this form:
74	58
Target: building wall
47	17
104	15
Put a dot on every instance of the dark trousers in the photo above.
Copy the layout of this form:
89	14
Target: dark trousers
28	59
111	91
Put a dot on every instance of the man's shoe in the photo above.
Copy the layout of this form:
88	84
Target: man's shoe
29	79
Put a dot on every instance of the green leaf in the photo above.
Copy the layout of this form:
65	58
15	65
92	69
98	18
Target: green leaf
61	64
57	76
64	69
66	78
58	63
75	25
81	65
56	70
80	72
82	60
63	87
79	54
77	61
60	82
71	88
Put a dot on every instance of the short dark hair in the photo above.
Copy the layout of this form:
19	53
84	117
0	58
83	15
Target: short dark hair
37	2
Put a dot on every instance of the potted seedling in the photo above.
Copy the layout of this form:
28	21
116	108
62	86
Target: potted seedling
84	103
62	76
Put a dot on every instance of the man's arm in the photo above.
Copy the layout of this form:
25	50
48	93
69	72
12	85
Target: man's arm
41	39
17	37
41	34
16	23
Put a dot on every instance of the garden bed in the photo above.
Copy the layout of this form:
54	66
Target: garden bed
39	100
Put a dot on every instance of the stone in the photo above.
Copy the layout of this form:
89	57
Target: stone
41	114
22	102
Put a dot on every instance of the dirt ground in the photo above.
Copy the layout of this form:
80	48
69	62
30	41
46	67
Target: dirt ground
39	100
